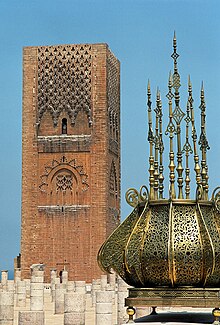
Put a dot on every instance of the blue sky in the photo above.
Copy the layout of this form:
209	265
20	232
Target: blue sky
140	34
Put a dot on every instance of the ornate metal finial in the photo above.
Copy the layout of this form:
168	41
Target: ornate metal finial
161	147
151	142
177	116
175	55
194	136
170	130
157	145
204	146
187	148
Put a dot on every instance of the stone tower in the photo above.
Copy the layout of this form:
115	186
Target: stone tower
70	156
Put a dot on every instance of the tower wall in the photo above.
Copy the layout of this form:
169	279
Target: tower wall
70	156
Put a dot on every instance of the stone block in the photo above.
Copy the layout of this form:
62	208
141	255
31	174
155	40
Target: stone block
102	319
80	286
74	309
74	319
60	290
103	282
36	303
31	317
74	302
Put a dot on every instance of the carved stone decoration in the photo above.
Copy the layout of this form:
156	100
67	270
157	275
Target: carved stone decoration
64	171
113	188
64	182
113	95
64	81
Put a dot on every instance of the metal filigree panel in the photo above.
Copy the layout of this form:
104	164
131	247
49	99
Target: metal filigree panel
211	221
111	254
186	245
169	244
134	248
155	247
64	81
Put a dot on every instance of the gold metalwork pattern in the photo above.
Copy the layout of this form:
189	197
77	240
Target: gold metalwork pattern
179	240
178	115
174	242
155	246
185	237
132	259
171	130
133	197
111	254
151	142
161	147
204	146
184	296
187	149
216	198
211	219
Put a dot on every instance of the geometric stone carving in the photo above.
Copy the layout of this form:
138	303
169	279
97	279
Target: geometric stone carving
113	96
64	182
113	188
63	170
64	81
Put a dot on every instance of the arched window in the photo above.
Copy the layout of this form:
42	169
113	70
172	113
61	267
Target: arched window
64	126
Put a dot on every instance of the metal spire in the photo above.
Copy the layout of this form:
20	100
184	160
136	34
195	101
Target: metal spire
204	146
187	148
161	148
157	144
194	136
177	116
170	130
151	142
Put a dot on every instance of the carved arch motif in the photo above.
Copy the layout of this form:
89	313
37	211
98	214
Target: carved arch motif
63	172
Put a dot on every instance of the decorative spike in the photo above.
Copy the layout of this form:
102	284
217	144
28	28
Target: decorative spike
156	144
151	142
161	149
194	135
175	55
177	116
204	146
148	87
189	81
170	130
202	87
187	149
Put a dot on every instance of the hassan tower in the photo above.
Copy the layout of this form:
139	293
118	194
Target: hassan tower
70	157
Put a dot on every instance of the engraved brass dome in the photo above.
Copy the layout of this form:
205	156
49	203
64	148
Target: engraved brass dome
166	243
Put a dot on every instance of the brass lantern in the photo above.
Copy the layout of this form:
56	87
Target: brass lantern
170	242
